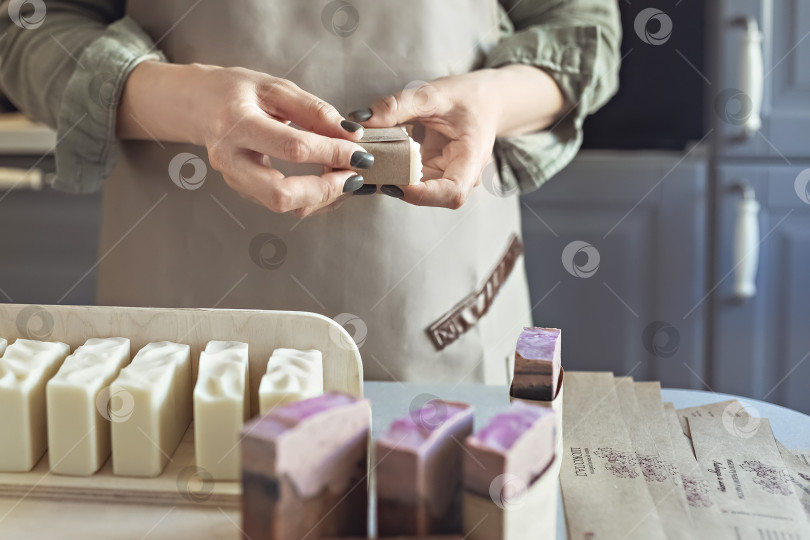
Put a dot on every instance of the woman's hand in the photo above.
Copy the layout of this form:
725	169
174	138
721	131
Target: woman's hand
462	115
242	117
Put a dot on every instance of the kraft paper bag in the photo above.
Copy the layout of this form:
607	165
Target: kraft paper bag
604	491
748	477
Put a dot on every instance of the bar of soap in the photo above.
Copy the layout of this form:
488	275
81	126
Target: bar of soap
157	384
397	157
304	470
292	375
25	369
78	433
537	364
418	466
519	442
3	344
221	408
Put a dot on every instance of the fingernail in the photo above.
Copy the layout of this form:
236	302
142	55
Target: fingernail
350	126
366	189
392	191
361	115
362	160
353	183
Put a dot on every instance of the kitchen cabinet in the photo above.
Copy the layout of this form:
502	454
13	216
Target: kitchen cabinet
785	57
629	295
761	345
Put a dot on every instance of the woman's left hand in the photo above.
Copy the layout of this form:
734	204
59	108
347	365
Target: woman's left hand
462	115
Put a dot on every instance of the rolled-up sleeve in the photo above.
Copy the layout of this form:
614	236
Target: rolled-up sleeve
577	43
67	69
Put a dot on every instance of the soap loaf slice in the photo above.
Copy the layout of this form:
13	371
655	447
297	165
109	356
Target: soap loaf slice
78	414
158	385
502	467
221	408
418	467
25	369
304	470
537	364
292	375
397	157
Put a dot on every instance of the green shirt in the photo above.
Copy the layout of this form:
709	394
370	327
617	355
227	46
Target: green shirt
69	73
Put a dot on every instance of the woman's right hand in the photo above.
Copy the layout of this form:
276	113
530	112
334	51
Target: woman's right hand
242	117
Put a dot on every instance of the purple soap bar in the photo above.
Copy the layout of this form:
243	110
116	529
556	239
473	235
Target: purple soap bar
418	467
304	469
518	442
537	364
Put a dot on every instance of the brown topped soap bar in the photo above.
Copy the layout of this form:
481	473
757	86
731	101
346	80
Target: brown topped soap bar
418	468
537	364
397	158
304	470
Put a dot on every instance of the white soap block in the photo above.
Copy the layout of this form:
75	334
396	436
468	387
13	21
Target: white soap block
80	406
25	368
416	162
292	375
157	384
3	344
221	406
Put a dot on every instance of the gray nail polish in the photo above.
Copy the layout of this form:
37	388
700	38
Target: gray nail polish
362	160
366	189
350	126
392	191
353	183
361	115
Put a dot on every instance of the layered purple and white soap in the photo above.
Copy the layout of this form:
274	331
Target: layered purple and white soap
518	442
418	468
537	364
304	469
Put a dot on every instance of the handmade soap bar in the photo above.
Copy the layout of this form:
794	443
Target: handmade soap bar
418	466
221	407
519	442
397	159
3	344
157	385
78	416
537	364
25	369
292	375
304	470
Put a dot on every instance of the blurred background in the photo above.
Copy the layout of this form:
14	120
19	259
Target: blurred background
683	224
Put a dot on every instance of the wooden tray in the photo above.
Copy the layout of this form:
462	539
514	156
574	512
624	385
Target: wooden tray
264	331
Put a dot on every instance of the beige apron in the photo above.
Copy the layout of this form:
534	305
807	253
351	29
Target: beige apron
385	269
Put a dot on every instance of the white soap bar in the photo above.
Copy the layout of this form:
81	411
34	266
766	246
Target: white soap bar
416	161
221	406
80	406
158	385
292	375
3	344
25	368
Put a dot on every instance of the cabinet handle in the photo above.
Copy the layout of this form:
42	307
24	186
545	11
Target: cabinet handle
20	179
746	243
750	74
